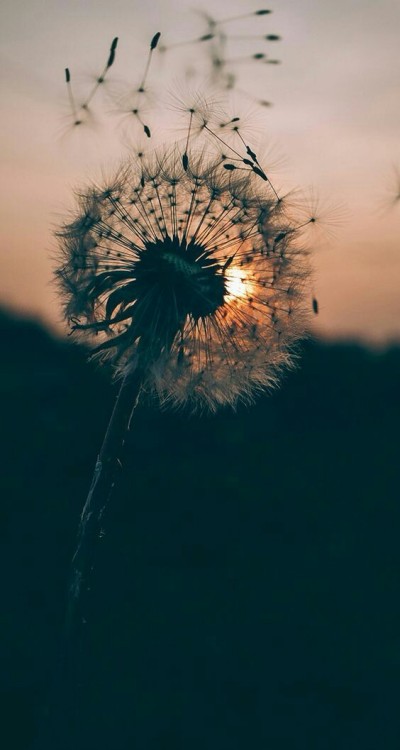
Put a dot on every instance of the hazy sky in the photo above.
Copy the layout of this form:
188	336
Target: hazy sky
336	119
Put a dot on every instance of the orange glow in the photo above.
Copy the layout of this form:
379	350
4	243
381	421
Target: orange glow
334	119
237	283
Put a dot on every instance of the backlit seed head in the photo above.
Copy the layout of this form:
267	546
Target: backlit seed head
192	274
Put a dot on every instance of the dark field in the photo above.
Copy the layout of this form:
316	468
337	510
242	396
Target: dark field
246	593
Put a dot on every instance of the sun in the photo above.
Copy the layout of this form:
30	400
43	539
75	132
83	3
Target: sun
237	283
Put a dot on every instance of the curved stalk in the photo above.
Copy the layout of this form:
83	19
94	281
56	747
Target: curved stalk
103	481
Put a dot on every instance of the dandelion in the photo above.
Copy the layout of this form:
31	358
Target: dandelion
187	274
190	279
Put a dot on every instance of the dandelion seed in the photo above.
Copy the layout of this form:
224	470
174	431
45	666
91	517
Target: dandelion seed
135	105
230	122
187	43
185	158
322	217
132	106
246	59
199	110
102	77
245	15
251	37
153	45
74	111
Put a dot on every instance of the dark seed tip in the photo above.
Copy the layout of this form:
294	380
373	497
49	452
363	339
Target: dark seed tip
260	173
111	59
155	40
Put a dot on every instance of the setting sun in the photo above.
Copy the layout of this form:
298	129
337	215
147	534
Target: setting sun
237	283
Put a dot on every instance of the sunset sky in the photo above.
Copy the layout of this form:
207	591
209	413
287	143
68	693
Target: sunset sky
335	119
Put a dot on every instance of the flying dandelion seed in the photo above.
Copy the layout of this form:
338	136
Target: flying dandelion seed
188	275
223	60
101	78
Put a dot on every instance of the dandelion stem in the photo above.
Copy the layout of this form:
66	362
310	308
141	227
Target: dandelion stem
103	482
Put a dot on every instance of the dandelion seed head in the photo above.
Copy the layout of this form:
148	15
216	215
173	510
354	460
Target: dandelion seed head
192	274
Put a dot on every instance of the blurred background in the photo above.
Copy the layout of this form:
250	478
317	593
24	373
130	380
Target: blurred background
246	591
334	118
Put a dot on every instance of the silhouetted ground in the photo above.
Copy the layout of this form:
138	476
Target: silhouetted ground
247	590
